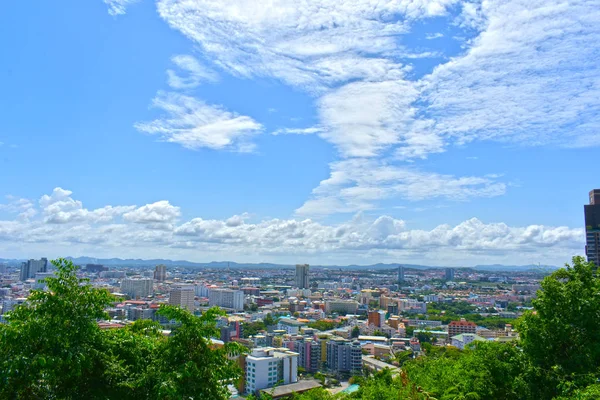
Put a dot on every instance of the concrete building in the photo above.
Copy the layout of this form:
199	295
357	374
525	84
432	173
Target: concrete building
182	296
291	326
226	298
269	366
309	355
344	356
95	268
400	274
160	272
462	326
376	318
592	227
449	274
341	306
32	267
302	277
461	341
40	280
137	287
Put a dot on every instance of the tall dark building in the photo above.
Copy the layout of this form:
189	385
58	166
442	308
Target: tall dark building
32	267
592	227
449	274
400	274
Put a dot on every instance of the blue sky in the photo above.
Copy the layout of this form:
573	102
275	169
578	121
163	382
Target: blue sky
439	132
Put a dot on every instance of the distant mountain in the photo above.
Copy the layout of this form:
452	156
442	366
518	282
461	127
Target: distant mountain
118	262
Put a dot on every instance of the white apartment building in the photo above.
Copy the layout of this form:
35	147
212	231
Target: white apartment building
226	298
269	366
182	296
137	287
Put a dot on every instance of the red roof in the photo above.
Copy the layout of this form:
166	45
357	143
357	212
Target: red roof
462	323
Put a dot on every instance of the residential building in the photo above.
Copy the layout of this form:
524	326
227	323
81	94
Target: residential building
32	267
461	341
137	287
592	227
268	366
40	280
341	306
344	356
423	323
291	326
449	274
462	326
226	298
309	355
376	318
302	277
182	296
160	272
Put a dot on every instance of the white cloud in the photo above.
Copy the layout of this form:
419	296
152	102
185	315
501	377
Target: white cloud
195	124
359	184
133	233
529	77
60	208
196	73
118	7
431	36
159	212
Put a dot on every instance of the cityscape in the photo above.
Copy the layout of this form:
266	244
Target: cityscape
300	200
308	327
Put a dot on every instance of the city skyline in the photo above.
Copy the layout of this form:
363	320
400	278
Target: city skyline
435	133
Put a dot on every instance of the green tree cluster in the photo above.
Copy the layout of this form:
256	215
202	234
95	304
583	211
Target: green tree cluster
53	348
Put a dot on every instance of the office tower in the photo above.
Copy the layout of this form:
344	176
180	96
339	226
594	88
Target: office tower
160	272
137	287
267	367
449	274
400	274
32	267
182	296
226	298
592	227
302	279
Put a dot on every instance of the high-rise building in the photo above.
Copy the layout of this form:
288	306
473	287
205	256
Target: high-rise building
268	366
449	274
344	356
32	267
137	287
400	274
160	272
182	296
592	227
226	298
302	278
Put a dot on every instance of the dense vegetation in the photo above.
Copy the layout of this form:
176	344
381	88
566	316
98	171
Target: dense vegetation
52	348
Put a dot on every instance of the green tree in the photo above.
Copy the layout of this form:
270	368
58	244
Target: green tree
355	332
188	365
52	346
561	337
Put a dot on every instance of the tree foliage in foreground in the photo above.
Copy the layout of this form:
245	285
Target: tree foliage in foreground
53	348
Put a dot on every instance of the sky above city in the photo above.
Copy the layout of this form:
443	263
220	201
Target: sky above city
436	132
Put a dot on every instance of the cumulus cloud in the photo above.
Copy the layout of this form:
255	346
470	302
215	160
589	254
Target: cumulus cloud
195	73
195	124
380	238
